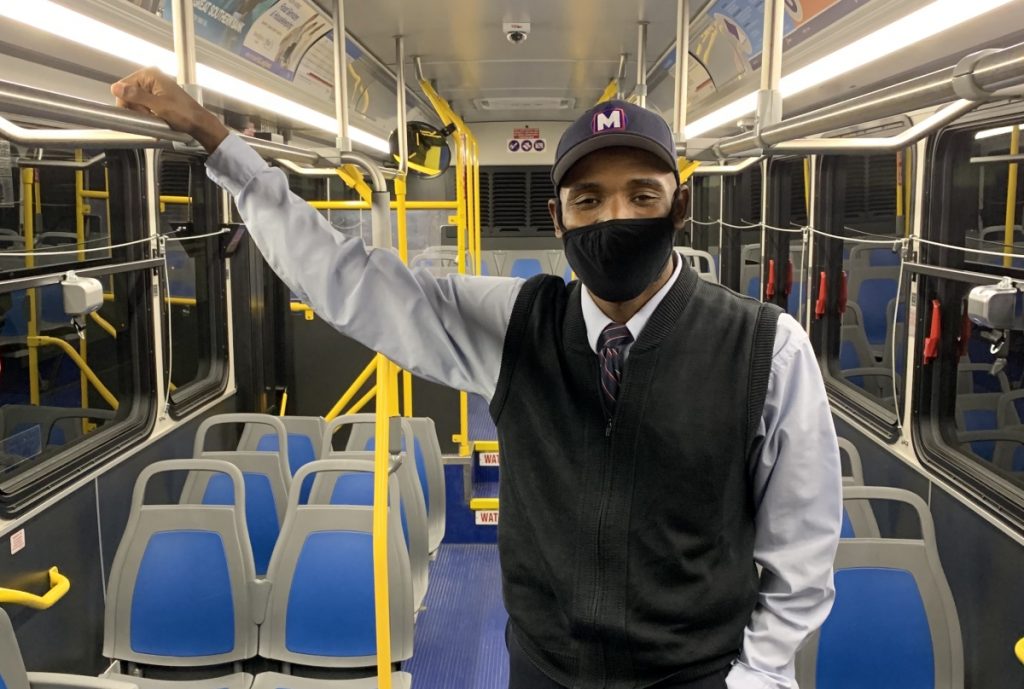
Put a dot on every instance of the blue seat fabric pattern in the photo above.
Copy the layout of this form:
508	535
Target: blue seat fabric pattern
357	489
165	619
333	625
260	512
877	634
300	453
847	529
526	268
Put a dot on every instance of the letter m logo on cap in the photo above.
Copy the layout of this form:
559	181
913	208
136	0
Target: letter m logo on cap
609	120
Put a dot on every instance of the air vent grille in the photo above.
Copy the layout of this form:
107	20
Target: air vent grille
514	200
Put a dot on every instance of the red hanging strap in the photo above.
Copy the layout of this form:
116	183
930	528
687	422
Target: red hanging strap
819	306
931	343
843	294
769	288
789	277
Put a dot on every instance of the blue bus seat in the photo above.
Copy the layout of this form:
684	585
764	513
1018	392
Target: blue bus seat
429	469
413	510
872	288
305	434
859	367
183	591
267	482
873	255
322	573
979	412
894	622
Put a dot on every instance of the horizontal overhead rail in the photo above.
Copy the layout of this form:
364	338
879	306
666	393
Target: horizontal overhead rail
731	169
887	144
109	125
991	73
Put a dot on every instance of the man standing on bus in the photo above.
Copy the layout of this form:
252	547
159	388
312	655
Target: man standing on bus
661	436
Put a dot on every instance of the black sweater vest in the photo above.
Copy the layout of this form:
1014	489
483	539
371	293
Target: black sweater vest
627	545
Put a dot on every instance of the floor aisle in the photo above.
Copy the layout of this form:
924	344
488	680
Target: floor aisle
460	642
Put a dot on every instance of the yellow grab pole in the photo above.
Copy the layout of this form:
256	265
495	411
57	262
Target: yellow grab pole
363	206
460	197
80	363
610	91
104	324
381	456
353	179
362	402
284	402
476	207
463	437
900	162
401	189
1011	199
354	388
28	227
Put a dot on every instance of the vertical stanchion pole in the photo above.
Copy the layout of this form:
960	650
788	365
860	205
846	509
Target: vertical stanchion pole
641	64
382	458
682	69
1011	199
183	27
341	79
83	345
28	224
769	98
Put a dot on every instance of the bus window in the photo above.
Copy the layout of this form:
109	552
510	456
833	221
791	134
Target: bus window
741	232
861	327
971	387
194	297
788	199
71	392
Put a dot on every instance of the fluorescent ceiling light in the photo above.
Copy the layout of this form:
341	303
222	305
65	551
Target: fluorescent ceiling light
913	28
61	21
998	131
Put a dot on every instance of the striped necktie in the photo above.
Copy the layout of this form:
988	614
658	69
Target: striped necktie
610	345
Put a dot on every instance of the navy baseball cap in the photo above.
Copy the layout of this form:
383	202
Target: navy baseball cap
614	123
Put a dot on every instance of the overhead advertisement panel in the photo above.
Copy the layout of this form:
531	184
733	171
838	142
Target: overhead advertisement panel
291	38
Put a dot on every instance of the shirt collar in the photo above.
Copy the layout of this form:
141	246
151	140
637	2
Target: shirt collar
596	320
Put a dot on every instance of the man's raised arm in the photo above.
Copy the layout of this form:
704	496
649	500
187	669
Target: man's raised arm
447	330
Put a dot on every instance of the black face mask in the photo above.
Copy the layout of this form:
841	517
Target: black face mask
618	259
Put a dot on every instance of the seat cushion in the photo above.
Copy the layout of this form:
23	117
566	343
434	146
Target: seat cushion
276	680
239	680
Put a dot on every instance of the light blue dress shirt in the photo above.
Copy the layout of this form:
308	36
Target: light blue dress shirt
451	331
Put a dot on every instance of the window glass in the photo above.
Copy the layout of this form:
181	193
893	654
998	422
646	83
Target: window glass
972	387
787	216
703	230
741	232
865	203
189	208
70	382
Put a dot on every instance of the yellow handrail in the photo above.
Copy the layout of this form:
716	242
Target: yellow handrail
80	362
357	385
363	206
284	402
299	307
59	585
363	401
103	323
381	578
610	91
686	169
1011	199
28	227
180	301
352	176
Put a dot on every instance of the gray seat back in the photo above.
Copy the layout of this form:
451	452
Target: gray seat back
894	622
860	516
305	438
413	503
429	469
321	610
12	667
701	261
182	583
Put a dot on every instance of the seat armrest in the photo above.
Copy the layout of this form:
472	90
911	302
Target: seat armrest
259	594
57	680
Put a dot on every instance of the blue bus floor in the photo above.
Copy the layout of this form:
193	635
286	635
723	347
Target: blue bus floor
460	636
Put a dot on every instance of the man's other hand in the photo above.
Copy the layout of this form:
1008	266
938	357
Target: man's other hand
152	92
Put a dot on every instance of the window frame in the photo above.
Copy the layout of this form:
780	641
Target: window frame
213	378
935	384
825	332
37	483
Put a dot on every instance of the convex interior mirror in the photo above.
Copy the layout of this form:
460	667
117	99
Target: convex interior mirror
429	155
